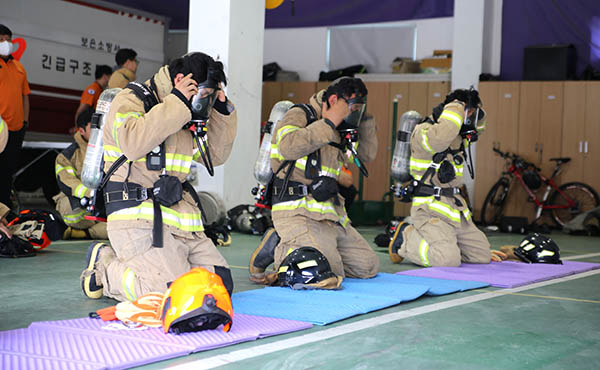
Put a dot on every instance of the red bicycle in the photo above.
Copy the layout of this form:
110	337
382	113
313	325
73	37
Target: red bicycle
565	202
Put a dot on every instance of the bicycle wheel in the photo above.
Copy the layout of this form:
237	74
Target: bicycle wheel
494	202
585	198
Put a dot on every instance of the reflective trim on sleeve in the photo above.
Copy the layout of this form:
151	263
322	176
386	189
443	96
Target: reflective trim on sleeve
128	281
284	131
184	221
80	191
425	141
453	117
70	170
178	162
74	218
120	119
423	249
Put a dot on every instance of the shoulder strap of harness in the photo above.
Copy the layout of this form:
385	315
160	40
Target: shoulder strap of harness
144	93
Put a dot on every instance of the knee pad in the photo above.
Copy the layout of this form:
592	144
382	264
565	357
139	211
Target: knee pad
225	275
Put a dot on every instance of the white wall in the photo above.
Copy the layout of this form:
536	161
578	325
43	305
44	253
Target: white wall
233	32
304	49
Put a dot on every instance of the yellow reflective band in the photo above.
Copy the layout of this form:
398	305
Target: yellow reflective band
453	117
529	247
284	131
423	248
305	264
74	217
425	141
128	281
275	153
301	163
524	243
282	268
545	253
344	221
80	190
120	119
2	124
70	170
310	205
290	250
331	172
178	162
183	221
439	207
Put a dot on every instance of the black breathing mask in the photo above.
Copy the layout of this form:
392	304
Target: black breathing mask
203	102
471	125
356	110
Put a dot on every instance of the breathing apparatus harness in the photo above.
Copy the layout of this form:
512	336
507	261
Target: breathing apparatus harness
439	164
167	190
322	188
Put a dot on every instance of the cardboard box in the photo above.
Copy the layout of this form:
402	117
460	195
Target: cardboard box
436	63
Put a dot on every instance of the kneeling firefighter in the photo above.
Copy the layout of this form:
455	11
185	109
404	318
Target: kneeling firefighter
310	145
154	222
442	232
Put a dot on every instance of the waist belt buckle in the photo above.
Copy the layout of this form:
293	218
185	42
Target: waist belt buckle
142	194
437	192
304	191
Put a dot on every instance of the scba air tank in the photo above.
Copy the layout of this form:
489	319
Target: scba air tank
91	174
262	167
400	169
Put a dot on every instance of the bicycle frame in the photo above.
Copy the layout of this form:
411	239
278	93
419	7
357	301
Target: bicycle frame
541	205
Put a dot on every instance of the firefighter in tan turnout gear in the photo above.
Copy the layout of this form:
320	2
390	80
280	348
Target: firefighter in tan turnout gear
442	232
308	149
69	165
154	223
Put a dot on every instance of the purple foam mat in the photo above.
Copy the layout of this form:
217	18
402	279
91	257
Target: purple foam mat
20	361
75	349
506	274
245	328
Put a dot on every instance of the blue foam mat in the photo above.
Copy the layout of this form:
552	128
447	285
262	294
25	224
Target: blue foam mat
357	296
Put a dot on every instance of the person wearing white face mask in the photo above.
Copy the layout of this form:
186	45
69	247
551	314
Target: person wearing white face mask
14	109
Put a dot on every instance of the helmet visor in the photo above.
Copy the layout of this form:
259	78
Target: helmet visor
356	110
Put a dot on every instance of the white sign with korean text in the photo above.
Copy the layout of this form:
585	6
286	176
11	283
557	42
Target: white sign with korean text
65	41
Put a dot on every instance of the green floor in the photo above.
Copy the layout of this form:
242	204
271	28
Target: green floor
556	326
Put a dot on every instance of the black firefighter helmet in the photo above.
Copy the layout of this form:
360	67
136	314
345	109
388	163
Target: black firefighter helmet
303	267
537	248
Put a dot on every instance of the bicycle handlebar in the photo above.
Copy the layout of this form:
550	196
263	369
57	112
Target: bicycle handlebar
516	160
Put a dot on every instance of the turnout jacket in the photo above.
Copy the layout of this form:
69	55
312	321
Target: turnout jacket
69	164
3	139
293	139
130	131
426	140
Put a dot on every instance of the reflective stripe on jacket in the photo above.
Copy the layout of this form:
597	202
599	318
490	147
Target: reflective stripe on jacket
293	139
131	132
428	139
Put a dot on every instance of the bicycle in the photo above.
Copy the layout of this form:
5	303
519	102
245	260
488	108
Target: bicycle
565	202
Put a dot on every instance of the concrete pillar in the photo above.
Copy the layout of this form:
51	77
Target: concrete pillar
233	32
476	48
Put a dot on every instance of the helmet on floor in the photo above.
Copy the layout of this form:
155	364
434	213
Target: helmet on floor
537	248
197	300
304	267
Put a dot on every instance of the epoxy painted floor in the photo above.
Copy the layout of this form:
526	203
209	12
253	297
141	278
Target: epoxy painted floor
552	326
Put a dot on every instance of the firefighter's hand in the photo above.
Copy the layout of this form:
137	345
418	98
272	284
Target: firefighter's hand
4	230
336	112
221	94
186	86
498	256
